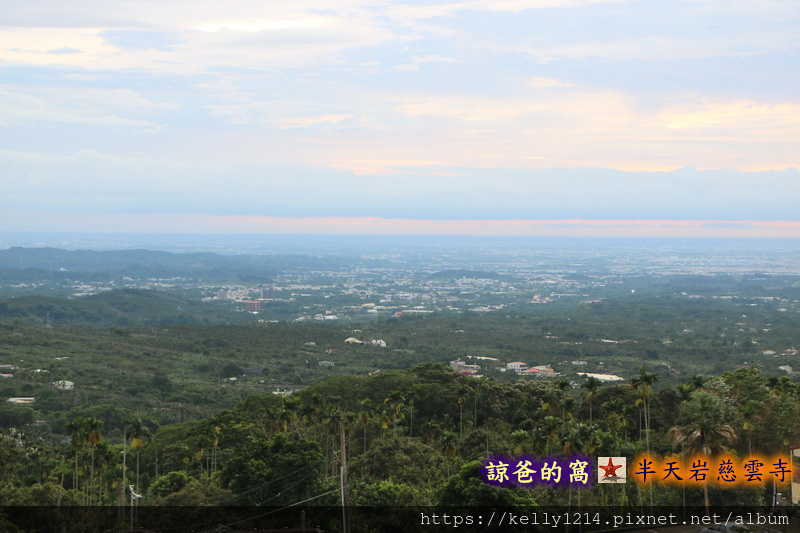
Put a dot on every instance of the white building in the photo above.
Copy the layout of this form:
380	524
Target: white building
516	366
64	385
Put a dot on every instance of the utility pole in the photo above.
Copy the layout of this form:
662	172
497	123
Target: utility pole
134	497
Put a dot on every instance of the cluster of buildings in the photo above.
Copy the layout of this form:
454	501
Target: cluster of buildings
522	369
362	293
517	367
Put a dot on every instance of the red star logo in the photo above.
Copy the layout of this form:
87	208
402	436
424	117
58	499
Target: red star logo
610	468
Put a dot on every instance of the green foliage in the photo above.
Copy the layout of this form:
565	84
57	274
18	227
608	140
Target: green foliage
123	307
46	494
467	489
169	483
178	488
385	493
276	472
12	415
409	430
705	425
231	370
403	460
196	492
6	526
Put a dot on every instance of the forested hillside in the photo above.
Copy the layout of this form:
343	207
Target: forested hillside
198	395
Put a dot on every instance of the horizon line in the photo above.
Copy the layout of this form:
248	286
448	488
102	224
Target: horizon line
202	223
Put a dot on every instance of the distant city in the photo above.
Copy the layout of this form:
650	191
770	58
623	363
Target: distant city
356	278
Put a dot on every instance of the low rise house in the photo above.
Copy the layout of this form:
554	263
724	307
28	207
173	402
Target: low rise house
516	366
463	368
22	400
601	377
64	385
545	370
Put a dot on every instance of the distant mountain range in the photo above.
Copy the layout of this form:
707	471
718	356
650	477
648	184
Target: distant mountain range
149	263
126	307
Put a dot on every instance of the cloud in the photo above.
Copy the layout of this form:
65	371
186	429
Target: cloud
91	181
546	83
20	109
140	40
258	25
416	61
191	39
89	221
576	126
97	107
400	109
33	46
195	37
650	48
524	5
779	119
281	114
416	12
63	50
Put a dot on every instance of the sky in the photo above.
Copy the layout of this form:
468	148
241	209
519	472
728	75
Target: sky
476	117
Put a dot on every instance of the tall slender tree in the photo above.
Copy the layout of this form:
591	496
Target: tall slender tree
592	386
79	429
139	434
94	437
643	384
703	429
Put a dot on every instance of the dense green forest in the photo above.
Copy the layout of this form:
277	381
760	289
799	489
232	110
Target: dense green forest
412	437
201	404
162	402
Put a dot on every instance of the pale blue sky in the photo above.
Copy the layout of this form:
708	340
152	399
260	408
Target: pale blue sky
474	110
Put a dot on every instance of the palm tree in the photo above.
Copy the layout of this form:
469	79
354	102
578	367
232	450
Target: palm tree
107	470
393	410
121	487
592	385
644	386
519	439
555	400
411	418
92	427
685	391
139	433
365	418
752	418
703	430
449	446
563	386
462	401
79	431
397	413
550	426
699	382
215	433
331	419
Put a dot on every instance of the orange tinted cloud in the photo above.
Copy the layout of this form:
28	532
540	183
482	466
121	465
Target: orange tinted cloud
13	220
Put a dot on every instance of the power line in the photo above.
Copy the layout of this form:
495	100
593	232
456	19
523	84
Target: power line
277	510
